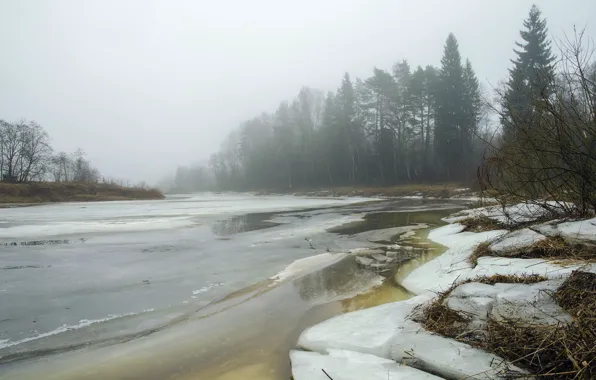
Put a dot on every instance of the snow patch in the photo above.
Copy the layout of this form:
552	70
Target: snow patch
347	365
368	331
440	273
387	332
583	229
516	239
510	215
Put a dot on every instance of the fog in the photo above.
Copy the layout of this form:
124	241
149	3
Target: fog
143	86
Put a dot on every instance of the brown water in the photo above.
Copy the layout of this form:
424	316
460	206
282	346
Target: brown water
246	335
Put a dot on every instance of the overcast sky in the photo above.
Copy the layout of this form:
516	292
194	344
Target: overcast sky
143	86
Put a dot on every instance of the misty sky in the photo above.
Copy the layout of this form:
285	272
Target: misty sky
143	86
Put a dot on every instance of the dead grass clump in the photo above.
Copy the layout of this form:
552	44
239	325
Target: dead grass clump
480	224
509	279
566	351
442	320
577	295
562	352
438	318
481	250
555	248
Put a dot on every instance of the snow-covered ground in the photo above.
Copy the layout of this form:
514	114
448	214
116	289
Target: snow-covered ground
343	345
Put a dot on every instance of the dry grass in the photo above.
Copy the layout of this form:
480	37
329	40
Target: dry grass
39	192
565	351
554	248
481	250
480	224
509	279
440	319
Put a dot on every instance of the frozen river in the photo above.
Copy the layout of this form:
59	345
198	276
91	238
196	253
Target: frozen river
75	275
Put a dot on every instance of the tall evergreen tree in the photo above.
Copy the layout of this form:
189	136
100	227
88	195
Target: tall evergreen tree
531	75
449	111
352	134
471	113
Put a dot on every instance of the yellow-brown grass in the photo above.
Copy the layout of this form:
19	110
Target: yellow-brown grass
40	192
553	248
440	319
562	352
480	224
481	250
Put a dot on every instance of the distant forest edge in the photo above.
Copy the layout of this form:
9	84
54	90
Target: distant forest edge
42	192
30	171
425	125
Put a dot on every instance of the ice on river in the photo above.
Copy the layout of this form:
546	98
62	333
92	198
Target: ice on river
137	256
128	216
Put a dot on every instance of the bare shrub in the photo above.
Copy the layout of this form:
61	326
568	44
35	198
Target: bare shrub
549	156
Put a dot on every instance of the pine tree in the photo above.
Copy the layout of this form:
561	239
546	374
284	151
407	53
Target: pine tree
531	75
471	109
449	111
352	134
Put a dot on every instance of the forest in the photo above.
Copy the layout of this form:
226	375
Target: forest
431	124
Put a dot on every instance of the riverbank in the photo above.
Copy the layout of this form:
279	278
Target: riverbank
439	191
501	303
46	192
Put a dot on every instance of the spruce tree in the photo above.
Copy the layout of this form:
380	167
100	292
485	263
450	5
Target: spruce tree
449	110
531	75
352	135
471	110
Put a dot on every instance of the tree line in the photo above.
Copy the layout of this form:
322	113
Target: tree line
26	155
398	126
532	138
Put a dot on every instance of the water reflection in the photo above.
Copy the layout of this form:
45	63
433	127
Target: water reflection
382	220
341	279
387	292
242	223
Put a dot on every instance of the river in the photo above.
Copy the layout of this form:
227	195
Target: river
185	288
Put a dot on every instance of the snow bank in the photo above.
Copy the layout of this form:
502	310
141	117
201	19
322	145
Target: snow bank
346	344
490	266
439	274
368	331
386	332
511	215
531	303
515	240
524	302
583	229
446	357
452	266
346	365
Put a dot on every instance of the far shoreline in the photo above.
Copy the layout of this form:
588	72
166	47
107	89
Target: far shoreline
420	190
39	193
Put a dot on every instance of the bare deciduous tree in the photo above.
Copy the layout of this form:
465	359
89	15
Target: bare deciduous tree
24	151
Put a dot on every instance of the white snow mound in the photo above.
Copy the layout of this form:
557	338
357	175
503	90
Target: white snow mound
515	240
347	365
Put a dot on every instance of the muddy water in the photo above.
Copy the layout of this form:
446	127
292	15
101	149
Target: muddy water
248	334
